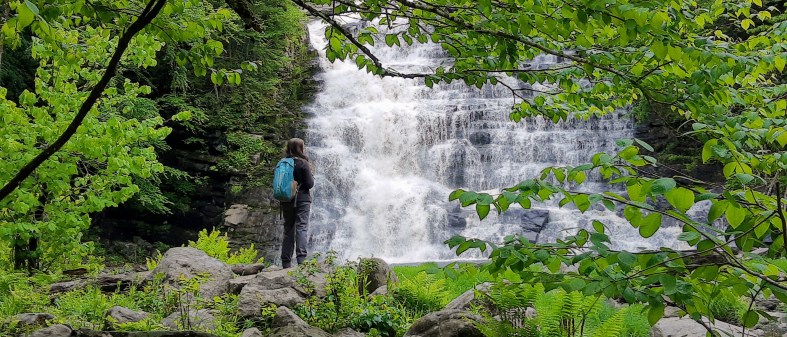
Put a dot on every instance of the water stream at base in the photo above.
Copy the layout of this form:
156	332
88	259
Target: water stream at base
389	151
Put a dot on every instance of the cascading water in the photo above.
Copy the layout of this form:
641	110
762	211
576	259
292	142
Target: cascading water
389	151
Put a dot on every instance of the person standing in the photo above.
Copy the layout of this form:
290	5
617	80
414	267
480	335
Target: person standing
296	212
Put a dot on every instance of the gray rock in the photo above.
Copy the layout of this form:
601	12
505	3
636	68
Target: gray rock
446	323
196	320
480	138
237	284
254	220
374	273
381	291
672	311
687	327
90	333
285	317
251	332
247	269
252	298
191	262
120	315
298	331
469	299
57	330
33	319
347	332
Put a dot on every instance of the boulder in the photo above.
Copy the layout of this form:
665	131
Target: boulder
276	286
57	330
32	319
480	138
247	269
237	284
347	332
196	320
381	291
191	262
446	323
298	331
91	333
374	273
687	327
120	315
469	299
251	332
285	317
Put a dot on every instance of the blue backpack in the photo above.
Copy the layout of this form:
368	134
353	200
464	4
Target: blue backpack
284	185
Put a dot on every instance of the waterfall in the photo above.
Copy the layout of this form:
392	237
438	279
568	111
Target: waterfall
389	151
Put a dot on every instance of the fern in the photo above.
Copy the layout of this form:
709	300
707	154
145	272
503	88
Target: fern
612	327
422	293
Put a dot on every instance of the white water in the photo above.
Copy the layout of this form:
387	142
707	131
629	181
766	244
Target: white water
389	151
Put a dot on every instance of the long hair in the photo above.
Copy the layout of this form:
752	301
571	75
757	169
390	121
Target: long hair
295	147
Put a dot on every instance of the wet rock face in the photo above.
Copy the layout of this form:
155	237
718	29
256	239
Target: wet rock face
480	138
247	224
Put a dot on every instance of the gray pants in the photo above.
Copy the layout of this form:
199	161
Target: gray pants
296	222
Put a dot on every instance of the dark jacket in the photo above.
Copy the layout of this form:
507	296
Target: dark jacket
303	176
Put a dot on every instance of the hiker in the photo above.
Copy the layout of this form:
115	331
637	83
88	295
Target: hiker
297	201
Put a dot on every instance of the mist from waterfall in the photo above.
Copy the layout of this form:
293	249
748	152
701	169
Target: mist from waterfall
389	151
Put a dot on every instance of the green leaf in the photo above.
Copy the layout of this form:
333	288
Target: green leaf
25	16
455	194
598	226
650	224
689	236
482	210
662	185
627	258
707	149
717	210
468	198
655	312
779	62
680	198
750	319
735	215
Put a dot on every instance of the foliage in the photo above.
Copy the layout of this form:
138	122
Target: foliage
726	86
346	306
45	216
216	245
422	293
558	313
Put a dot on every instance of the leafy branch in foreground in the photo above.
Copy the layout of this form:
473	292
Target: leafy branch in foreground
718	65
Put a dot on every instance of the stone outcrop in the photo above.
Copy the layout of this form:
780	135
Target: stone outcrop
57	330
191	262
251	332
446	323
195	320
687	327
469	299
285	317
347	332
275	287
374	273
106	282
257	222
120	315
298	331
32	319
247	269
